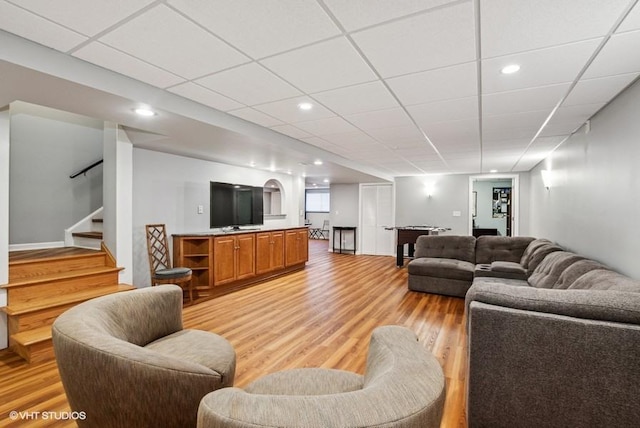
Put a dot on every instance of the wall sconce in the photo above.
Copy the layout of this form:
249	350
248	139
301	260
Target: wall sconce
429	189
546	178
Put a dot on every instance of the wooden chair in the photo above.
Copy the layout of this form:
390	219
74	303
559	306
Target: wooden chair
160	262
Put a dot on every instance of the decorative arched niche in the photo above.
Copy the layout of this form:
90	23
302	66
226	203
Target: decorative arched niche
274	200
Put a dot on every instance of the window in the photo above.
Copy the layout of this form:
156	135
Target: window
317	201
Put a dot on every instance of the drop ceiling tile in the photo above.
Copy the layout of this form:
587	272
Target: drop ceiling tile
401	168
558	64
438	39
249	84
358	98
568	119
523	100
530	122
600	90
164	38
431	167
205	96
256	116
443	111
397	134
510	26
459	81
122	63
355	14
416	154
291	131
29	26
379	154
288	111
262	28
323	144
348	138
331	125
390	118
454	132
461	166
632	21
618	56
323	66
86	17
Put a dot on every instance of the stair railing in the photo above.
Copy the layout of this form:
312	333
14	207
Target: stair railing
84	170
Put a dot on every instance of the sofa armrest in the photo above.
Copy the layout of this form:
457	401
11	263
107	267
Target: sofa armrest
533	369
604	305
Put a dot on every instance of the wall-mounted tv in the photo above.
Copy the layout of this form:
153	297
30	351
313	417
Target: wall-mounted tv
235	205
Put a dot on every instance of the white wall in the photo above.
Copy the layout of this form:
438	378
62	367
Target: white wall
449	193
592	206
47	146
4	220
168	189
344	208
118	198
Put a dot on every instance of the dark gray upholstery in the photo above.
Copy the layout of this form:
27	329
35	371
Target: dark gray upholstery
442	265
538	255
531	248
125	360
561	353
549	270
446	247
501	248
403	387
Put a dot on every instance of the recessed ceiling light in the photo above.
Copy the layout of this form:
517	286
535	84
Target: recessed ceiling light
326	180
143	111
305	106
510	69
317	162
493	171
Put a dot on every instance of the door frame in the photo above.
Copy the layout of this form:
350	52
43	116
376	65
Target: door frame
515	199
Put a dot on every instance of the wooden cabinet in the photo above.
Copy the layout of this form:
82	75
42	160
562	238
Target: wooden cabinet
296	246
233	258
269	251
194	253
236	259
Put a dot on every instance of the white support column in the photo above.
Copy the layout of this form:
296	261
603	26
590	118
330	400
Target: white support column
118	198
4	220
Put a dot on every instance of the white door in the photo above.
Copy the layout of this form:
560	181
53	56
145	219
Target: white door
376	214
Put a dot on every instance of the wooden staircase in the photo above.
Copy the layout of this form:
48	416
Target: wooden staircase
44	284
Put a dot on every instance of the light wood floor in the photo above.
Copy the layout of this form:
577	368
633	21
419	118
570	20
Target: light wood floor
319	317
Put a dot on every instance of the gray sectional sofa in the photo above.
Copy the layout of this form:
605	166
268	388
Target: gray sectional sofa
553	337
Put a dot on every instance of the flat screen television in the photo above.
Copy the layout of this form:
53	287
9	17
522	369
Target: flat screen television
235	205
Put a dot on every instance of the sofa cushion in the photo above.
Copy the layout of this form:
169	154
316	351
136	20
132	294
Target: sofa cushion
500	270
441	268
549	270
575	271
503	248
539	255
604	279
447	247
200	347
489	281
531	248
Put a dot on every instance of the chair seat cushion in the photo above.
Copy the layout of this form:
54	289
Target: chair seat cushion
306	381
507	267
201	347
441	268
177	272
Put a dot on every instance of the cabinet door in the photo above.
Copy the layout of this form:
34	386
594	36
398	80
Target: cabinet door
303	245
245	256
277	250
224	256
263	253
291	247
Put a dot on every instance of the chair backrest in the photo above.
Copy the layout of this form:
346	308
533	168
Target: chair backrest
325	225
158	247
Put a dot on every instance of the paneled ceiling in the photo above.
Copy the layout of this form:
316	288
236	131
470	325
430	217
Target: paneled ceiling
402	87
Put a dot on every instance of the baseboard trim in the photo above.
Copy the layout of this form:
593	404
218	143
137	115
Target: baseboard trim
36	246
